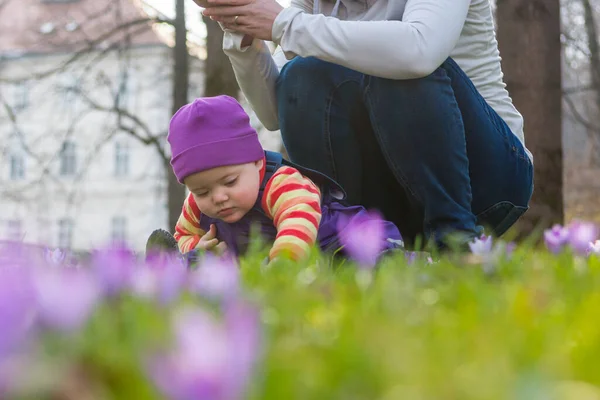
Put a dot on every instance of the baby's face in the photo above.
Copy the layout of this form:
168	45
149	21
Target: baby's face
226	193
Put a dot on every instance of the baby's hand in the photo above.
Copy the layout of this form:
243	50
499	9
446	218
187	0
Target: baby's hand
220	249
209	242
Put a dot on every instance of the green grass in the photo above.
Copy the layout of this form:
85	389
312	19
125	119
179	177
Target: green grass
529	329
443	331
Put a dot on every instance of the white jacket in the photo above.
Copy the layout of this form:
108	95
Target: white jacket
395	39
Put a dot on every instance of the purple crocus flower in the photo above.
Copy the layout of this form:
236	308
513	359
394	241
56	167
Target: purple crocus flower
556	238
114	268
66	297
55	257
216	278
489	253
209	360
17	308
242	322
581	234
481	246
363	237
195	367
16	254
594	247
162	278
144	282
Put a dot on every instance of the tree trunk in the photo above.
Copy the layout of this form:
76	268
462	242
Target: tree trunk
529	39
218	73
176	191
592	37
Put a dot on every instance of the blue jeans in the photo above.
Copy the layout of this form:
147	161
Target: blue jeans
429	153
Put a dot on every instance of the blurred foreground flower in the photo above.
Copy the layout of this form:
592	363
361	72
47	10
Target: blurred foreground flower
485	247
16	254
581	235
55	257
594	247
216	278
556	238
17	308
484	250
481	246
114	268
363	237
65	297
209	360
161	278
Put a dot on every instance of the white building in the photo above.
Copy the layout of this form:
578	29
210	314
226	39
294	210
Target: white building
70	173
73	172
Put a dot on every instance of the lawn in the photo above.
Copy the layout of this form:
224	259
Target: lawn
520	324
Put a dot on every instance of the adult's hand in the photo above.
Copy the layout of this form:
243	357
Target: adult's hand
253	18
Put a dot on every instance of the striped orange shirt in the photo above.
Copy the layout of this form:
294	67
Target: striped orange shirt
290	199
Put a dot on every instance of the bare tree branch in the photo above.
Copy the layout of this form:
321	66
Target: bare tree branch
578	117
45	164
146	137
580	89
92	92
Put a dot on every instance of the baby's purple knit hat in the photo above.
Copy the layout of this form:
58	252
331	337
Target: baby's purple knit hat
211	132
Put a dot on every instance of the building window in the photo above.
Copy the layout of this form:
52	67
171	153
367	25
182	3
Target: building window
69	88
14	230
21	95
127	89
17	166
65	233
121	159
67	159
119	229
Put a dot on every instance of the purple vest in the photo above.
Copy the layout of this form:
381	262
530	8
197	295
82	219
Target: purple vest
237	235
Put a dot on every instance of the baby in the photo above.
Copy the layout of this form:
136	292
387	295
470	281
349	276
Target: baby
235	186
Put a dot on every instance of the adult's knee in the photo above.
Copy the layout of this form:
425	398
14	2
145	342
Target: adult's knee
304	79
302	69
